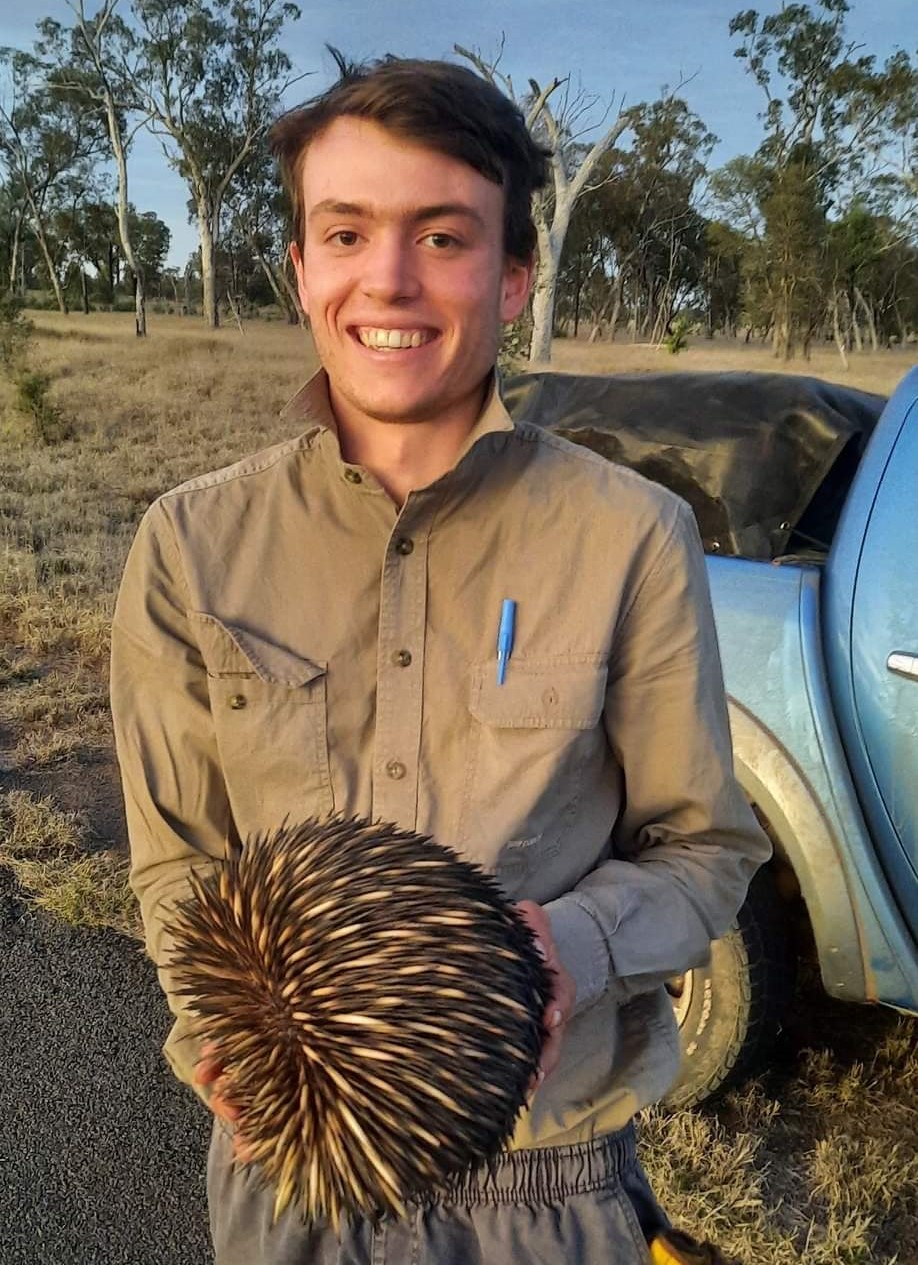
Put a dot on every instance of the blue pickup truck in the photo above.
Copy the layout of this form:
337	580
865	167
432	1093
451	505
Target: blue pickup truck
818	630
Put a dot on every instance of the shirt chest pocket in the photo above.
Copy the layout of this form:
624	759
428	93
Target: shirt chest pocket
530	743
269	714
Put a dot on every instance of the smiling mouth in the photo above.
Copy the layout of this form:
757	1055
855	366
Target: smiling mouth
393	339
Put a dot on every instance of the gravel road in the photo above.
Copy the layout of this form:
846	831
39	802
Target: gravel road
102	1152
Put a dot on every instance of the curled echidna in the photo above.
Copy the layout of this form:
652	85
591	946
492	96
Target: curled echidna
377	1006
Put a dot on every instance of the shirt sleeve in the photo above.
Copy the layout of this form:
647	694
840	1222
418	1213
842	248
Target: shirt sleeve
178	814
686	843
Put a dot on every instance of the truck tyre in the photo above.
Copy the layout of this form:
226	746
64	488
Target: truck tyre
730	1010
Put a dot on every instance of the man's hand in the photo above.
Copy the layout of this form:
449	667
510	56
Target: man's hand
564	994
209	1071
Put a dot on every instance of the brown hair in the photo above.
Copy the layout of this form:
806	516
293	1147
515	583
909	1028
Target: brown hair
434	103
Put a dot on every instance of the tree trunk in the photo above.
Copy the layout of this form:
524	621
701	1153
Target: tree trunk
277	281
49	264
837	331
234	308
900	323
208	267
855	325
124	229
290	286
84	292
782	338
543	302
543	298
551	243
140	307
14	252
871	323
616	307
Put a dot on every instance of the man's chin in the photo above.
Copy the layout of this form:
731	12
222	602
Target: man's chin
402	409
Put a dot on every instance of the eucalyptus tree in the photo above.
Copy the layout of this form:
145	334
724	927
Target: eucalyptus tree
639	226
13	211
258	213
830	117
559	116
95	59
210	77
722	278
50	143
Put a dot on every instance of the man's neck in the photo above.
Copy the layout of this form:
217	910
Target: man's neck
405	455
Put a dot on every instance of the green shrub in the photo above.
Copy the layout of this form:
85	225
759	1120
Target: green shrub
15	332
677	338
30	386
514	349
32	398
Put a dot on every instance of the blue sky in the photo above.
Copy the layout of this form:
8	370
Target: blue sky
613	48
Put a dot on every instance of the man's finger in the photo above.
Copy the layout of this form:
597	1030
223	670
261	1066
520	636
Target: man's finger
208	1067
223	1108
241	1149
207	1073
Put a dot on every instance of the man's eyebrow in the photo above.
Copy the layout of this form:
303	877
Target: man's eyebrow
329	206
441	210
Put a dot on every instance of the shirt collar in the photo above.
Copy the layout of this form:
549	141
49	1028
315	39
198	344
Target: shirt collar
312	405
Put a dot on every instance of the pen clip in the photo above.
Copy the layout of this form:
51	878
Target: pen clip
505	637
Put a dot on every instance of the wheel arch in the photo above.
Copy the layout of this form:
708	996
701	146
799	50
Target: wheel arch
803	840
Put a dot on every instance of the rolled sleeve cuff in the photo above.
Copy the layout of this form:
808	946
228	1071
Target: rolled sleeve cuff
581	947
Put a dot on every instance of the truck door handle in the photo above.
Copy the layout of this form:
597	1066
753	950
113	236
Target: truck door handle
903	664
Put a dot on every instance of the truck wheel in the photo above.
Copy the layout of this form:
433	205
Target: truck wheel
730	1010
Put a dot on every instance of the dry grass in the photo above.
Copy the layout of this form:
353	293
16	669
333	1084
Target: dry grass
879	372
814	1164
46	851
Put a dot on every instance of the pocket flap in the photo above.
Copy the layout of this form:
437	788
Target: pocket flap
539	695
229	650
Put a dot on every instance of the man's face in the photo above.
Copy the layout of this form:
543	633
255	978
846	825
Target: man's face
403	274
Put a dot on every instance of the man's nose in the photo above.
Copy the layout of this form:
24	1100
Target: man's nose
390	272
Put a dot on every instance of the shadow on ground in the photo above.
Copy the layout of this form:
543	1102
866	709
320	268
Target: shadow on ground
102	1152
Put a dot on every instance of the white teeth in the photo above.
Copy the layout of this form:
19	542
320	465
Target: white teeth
388	339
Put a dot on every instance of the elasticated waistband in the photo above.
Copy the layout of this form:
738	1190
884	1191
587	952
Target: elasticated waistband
543	1175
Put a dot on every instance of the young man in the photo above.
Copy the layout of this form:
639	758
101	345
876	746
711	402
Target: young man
314	629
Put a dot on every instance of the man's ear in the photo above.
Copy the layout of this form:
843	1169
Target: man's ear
297	256
517	282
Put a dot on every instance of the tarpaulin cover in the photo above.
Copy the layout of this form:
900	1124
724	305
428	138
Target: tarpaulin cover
764	459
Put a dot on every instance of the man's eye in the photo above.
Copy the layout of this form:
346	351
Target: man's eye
442	241
345	237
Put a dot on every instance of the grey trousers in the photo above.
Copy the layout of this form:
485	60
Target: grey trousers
573	1205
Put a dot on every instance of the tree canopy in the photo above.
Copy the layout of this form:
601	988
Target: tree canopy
813	233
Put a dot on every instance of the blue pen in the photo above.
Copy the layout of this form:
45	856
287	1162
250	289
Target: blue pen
505	637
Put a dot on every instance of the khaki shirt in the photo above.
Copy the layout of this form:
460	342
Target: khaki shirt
288	642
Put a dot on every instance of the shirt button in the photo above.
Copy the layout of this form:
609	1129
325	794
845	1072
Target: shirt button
353	476
403	545
396	770
402	658
236	701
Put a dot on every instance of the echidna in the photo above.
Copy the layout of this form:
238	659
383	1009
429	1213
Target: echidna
377	1006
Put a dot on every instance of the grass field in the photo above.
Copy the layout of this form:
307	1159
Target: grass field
815	1162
